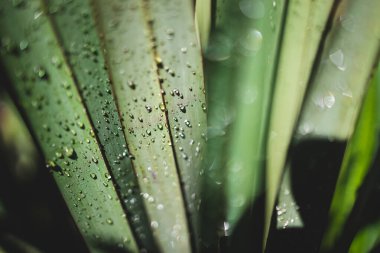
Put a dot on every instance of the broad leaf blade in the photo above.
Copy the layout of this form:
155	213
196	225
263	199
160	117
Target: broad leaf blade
357	160
181	74
43	84
160	101
328	118
239	77
305	22
254	80
85	56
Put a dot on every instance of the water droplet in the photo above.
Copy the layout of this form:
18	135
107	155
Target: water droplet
224	229
46	127
347	22
329	100
184	50
187	123
80	124
158	61
131	84
204	108
69	151
148	108
56	61
37	14
182	108
252	42
154	224
40	72
51	165
337	58
344	89
24	45
162	107
253	9
107	176
170	33
219	48
109	221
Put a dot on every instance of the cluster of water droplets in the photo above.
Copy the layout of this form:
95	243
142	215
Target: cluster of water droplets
71	143
335	91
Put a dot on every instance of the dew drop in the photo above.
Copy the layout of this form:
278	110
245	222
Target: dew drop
80	124
40	72
187	123
162	107
204	108
24	45
253	9
56	61
329	100
148	108
337	58
131	84
154	224
107	176
348	23
170	33
51	165
182	108
158	61
219	48
69	151
252	42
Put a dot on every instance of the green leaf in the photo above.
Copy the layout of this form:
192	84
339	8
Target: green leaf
357	160
85	56
254	80
158	82
328	118
43	84
366	239
239	83
304	25
203	21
